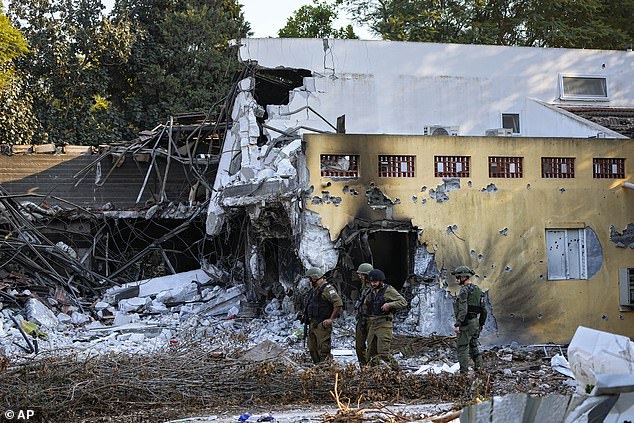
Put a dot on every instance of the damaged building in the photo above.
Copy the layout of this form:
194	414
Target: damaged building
416	157
77	220
421	157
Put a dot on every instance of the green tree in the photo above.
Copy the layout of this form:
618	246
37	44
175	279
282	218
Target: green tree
16	118
605	24
12	46
315	21
181	60
65	73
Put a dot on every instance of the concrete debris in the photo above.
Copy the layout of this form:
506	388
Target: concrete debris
437	369
78	318
559	363
316	249
173	288
592	352
67	249
38	313
132	304
603	366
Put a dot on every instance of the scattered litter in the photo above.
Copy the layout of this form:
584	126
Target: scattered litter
560	364
437	369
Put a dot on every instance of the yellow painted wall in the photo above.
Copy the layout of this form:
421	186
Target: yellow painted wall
526	305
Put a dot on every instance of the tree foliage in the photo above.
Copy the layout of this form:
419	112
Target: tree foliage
604	24
315	21
66	71
16	118
180	61
92	78
12	46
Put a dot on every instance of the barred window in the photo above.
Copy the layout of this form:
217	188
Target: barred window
451	166
396	166
609	168
558	167
340	165
505	167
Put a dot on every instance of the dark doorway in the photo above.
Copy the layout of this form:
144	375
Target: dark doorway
391	250
392	253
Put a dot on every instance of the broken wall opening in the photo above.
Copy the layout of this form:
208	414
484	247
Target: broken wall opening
388	245
258	249
274	85
122	240
282	267
392	252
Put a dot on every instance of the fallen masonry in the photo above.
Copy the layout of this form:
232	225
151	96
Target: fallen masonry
219	374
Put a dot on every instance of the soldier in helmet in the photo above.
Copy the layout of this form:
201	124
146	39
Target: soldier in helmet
470	317
381	303
361	330
323	307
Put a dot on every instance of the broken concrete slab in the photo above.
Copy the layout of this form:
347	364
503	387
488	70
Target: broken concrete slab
38	313
592	352
132	304
559	363
316	249
614	384
518	408
217	306
153	286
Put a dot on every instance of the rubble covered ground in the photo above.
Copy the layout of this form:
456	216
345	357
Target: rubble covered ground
216	373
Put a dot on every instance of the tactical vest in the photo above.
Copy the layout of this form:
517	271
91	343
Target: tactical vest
475	302
319	308
376	302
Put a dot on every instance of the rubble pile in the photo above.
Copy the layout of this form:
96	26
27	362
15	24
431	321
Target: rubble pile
201	376
170	364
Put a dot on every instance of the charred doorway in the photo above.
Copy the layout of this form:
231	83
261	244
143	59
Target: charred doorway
388	245
392	252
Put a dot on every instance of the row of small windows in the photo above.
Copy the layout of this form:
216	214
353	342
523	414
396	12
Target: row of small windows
402	166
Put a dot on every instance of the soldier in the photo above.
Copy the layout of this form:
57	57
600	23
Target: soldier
361	332
470	317
381	303
322	309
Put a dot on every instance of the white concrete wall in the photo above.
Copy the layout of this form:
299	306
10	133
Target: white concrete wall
399	88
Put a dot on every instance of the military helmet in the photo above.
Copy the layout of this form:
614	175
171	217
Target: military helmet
365	268
463	271
315	272
376	275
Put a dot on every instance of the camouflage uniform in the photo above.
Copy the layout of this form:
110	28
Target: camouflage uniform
361	330
380	323
323	300
470	317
